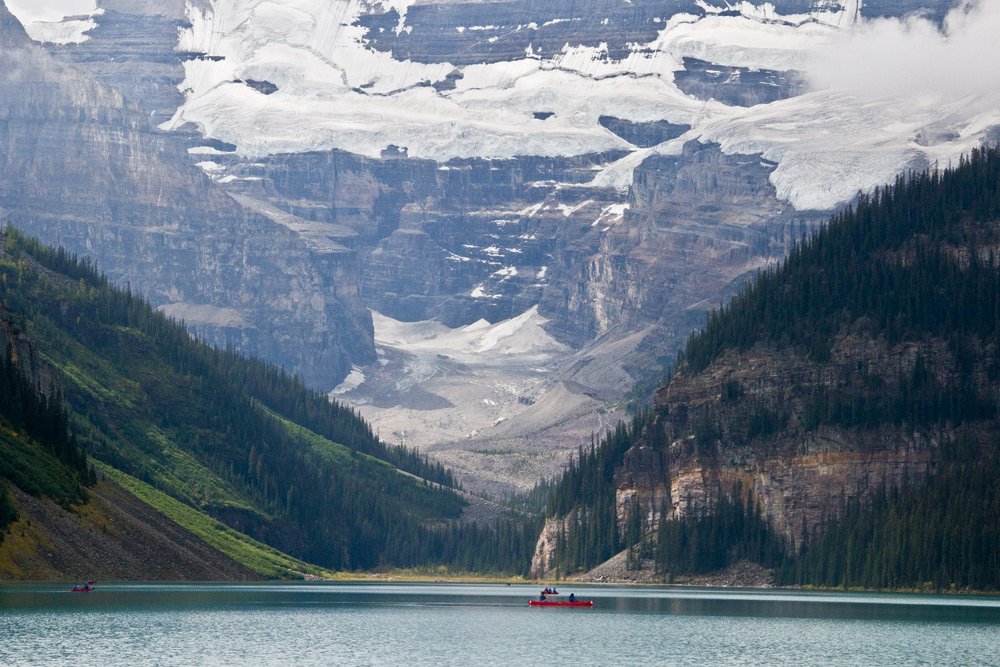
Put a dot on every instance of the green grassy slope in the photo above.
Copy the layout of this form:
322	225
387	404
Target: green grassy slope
259	557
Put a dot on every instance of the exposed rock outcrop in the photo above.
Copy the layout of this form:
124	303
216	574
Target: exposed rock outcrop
541	561
737	85
81	167
696	226
113	537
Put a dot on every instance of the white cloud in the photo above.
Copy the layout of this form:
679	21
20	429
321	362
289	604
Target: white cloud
915	59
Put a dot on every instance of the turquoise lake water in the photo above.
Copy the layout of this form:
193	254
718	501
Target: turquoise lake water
469	624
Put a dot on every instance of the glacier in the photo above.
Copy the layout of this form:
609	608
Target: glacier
56	21
336	92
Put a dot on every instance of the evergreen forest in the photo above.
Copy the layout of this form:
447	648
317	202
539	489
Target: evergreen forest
914	267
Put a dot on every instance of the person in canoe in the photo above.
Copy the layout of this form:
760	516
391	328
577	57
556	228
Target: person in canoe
542	598
572	597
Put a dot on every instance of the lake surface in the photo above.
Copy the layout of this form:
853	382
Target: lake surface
470	624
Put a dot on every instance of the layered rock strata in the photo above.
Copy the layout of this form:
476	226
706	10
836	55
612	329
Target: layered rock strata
82	168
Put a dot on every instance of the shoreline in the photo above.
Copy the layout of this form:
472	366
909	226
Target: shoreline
412	578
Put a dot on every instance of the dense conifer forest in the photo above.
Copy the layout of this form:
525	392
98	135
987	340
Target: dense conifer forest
943	534
898	264
234	437
38	451
585	494
913	263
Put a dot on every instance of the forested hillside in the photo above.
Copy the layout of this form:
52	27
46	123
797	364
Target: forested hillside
837	421
38	452
234	438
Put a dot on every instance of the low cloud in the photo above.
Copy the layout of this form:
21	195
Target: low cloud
914	58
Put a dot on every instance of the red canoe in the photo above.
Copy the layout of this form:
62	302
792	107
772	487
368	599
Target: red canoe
556	603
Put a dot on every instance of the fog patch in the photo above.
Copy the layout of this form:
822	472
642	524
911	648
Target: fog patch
914	59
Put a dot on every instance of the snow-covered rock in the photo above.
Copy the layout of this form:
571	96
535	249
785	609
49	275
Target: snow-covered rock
334	89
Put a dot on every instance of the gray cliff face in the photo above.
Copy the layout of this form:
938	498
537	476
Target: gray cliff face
458	242
82	168
737	86
439	241
505	30
697	225
644	135
132	49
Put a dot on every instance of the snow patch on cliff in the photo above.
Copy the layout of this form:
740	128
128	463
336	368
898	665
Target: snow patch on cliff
476	343
354	379
56	21
335	92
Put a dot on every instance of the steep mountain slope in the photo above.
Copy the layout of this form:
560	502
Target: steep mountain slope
867	362
57	520
224	445
82	167
114	536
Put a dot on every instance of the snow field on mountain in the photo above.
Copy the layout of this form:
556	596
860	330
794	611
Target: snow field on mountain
335	92
56	21
479	343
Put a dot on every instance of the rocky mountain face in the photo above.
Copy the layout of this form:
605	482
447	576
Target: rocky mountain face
797	476
457	242
695	224
83	168
269	173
